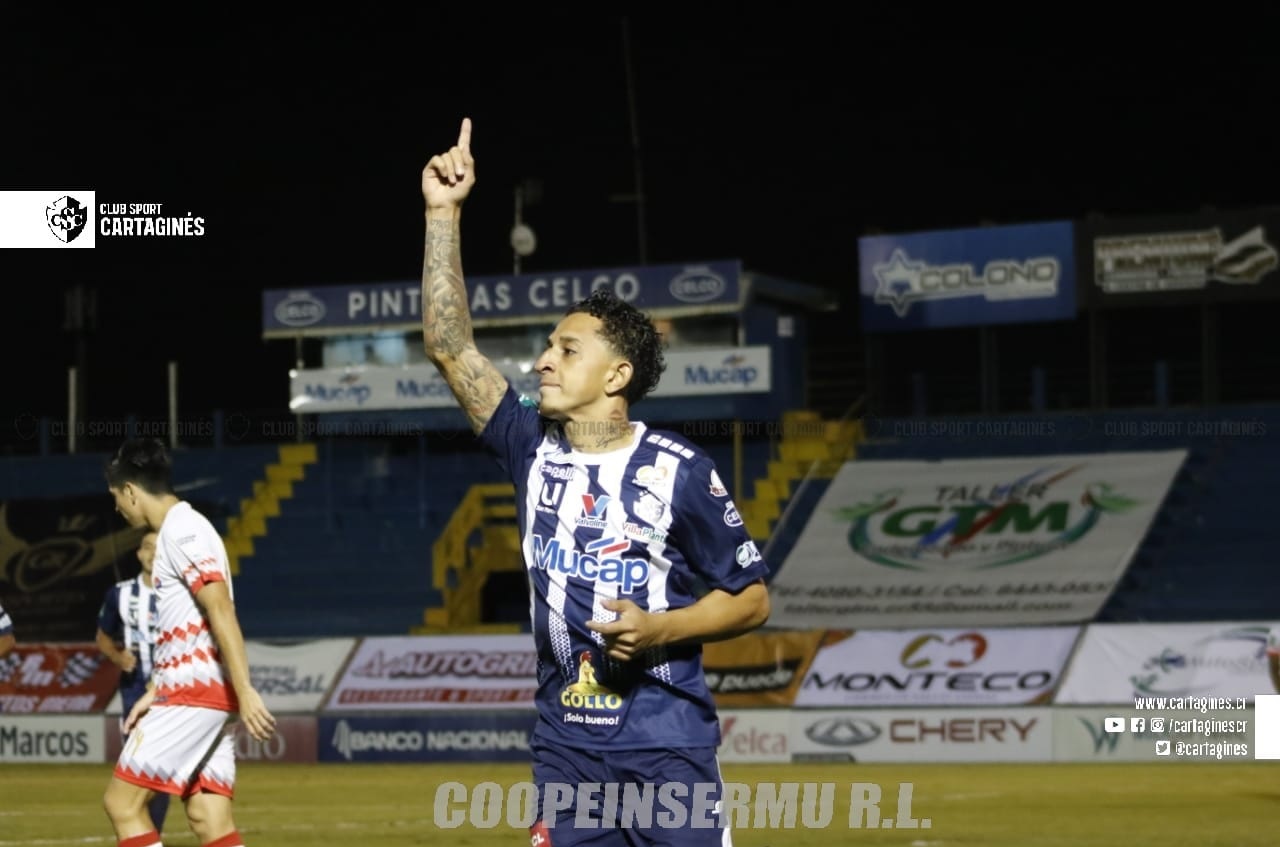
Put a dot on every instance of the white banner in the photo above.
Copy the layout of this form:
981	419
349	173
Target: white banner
737	370
296	677
52	738
939	667
290	678
754	735
1083	734
923	735
972	541
1160	663
55	218
414	673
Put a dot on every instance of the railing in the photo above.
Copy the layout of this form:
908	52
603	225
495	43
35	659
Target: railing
456	573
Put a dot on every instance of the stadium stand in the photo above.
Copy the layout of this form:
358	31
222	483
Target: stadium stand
220	477
347	549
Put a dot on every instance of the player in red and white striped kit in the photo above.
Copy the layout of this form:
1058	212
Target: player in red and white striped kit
178	737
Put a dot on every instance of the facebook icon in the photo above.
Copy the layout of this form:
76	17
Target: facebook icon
1137	724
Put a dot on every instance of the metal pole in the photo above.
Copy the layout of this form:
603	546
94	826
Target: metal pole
173	405
71	410
515	254
637	161
299	364
739	462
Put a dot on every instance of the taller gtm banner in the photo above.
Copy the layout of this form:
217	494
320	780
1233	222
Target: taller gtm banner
971	542
968	277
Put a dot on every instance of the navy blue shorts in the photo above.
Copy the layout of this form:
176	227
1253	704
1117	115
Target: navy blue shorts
645	798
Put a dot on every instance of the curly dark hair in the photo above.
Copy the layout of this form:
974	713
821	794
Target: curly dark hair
631	334
144	462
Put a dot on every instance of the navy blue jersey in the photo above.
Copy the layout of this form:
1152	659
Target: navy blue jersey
651	523
129	615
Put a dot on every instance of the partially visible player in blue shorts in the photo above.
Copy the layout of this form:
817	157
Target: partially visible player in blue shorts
636	555
128	627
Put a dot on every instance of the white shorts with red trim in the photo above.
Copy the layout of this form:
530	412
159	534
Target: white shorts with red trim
181	750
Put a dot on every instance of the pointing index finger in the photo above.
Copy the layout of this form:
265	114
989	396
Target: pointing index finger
464	135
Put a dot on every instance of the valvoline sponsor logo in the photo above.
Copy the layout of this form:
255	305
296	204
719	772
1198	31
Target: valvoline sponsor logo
600	562
593	511
734	370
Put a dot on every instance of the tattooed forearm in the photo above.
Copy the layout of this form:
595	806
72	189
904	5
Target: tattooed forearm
478	386
447	331
446	319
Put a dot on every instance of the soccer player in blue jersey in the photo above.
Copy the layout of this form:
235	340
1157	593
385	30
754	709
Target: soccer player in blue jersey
635	555
128	627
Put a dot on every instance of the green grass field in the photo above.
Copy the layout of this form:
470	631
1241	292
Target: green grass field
1042	805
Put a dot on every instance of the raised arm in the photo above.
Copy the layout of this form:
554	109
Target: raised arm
447	333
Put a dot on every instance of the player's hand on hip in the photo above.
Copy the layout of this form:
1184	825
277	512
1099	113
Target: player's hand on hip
128	661
628	635
254	715
447	179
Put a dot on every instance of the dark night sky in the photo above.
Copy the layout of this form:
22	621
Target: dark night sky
776	138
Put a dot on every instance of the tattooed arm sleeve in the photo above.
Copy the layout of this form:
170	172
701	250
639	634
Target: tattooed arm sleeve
446	324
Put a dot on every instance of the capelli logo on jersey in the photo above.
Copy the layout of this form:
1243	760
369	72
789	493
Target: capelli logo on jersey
550	471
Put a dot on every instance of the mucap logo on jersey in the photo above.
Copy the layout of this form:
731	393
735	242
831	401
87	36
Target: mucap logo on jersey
66	217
